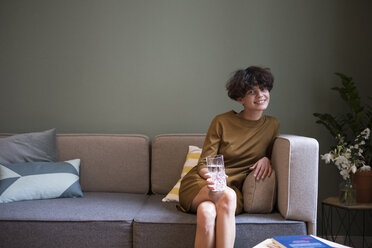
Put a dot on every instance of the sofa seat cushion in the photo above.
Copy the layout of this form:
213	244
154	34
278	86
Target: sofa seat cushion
160	224
95	220
94	206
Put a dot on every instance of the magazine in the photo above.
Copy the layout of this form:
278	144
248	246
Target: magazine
300	241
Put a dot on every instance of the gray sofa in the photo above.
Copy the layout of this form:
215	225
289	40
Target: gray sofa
124	178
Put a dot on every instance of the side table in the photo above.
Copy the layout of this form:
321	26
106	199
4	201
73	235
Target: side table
346	215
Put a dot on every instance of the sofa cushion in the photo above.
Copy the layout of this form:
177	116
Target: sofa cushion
95	220
39	180
109	162
28	147
160	224
168	157
192	159
94	206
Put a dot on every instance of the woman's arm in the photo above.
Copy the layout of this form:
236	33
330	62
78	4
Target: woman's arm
263	166
210	148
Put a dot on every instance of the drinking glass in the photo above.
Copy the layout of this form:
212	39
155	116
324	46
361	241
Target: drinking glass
216	170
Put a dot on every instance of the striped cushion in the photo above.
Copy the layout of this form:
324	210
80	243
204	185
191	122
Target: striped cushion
192	159
39	180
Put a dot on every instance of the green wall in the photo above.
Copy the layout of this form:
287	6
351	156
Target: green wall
156	67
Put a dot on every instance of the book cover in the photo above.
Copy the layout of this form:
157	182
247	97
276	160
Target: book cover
300	241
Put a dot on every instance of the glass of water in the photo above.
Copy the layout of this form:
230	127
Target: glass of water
216	170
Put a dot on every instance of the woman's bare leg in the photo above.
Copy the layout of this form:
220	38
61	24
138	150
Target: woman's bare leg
205	225
224	225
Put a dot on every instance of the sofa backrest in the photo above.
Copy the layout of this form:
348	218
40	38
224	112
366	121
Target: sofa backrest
168	157
109	162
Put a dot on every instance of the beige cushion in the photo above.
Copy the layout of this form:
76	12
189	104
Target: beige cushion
109	162
259	195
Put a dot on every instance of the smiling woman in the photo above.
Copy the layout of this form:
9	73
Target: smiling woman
251	88
245	80
256	101
245	140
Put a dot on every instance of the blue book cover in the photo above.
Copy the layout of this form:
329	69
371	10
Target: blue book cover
299	241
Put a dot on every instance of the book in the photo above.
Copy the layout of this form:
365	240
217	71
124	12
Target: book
299	241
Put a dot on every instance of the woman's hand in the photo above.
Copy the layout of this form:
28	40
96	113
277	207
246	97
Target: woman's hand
205	174
262	168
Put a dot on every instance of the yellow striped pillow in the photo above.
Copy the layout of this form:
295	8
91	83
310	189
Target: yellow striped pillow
192	159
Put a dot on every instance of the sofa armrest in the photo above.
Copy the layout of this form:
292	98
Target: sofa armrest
295	160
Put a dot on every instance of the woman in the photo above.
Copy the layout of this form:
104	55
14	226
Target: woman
245	139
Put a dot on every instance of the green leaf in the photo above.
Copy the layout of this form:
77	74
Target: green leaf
350	123
333	125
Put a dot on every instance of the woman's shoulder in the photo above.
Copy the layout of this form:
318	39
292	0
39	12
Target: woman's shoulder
225	116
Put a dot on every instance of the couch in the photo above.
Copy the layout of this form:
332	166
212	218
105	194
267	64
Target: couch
125	177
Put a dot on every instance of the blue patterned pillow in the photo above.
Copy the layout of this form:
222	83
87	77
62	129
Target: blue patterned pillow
39	180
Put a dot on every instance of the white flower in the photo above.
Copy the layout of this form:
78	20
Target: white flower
344	174
366	132
345	165
341	160
328	157
347	154
365	168
348	157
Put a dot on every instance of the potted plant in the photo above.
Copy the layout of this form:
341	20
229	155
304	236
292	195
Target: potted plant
352	153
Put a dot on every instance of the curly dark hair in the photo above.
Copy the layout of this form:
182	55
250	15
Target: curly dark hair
244	80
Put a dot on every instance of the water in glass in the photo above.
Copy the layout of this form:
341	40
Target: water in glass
217	173
216	170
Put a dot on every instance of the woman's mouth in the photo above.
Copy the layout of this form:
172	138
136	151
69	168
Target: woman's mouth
260	101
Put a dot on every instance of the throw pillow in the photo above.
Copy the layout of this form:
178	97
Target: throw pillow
192	159
39	180
29	147
259	195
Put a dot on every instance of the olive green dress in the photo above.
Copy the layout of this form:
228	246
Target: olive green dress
242	143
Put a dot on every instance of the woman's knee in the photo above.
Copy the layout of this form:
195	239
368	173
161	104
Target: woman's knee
227	202
206	214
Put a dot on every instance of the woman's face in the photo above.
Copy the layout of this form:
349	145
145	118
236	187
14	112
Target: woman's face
255	99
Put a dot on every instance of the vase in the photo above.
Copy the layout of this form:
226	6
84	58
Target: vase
362	181
347	195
